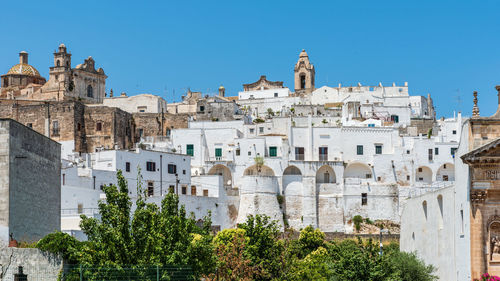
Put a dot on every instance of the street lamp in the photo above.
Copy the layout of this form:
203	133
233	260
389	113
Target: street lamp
381	246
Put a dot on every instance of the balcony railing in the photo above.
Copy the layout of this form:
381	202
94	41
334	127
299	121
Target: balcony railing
79	211
299	157
323	157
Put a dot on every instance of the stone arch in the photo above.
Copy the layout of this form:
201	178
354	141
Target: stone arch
290	175
423	174
358	170
446	172
292	170
223	171
325	174
254	171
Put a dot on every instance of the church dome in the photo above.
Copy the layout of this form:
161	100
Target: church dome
24	69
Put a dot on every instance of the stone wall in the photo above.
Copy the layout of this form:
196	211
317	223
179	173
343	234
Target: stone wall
151	123
34	183
38	265
75	121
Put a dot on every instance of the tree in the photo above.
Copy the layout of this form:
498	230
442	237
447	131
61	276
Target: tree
149	236
233	262
264	249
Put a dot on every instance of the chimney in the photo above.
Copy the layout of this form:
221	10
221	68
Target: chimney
23	57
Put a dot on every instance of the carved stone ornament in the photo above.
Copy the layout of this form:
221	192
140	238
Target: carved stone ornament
477	196
494	238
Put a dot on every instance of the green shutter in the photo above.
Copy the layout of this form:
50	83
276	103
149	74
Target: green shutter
218	152
273	151
190	149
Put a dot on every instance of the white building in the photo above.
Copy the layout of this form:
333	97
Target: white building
160	172
143	103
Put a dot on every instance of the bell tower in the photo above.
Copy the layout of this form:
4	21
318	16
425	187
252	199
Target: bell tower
304	74
62	64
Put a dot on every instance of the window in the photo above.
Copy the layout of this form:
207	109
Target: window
64	179
395	118
273	151
78	127
30	125
430	154
408	177
252	130
378	149
299	153
444	166
445	177
364	199
90	91
190	149
98	126
359	150
183	172
238	152
218	154
55	128
193	190
172	169
150	166
302	81
151	188
407	152
454	132
249	153
202	108
368	176
323	154
80	208
261	129
58	63
436	150
184	189
168	133
205	192
420	170
452	151
171	188
142	108
127	166
141	132
275	95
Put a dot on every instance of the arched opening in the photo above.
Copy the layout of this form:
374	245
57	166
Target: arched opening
446	172
255	170
292	170
290	175
67	63
58	63
358	170
424	174
223	171
440	204
90	91
325	174
424	207
302	81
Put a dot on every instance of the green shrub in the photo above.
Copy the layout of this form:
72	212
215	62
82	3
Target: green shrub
357	220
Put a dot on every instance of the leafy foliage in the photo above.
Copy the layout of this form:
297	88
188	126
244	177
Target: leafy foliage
167	236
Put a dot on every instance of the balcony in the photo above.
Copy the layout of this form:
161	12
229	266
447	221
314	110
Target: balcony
323	157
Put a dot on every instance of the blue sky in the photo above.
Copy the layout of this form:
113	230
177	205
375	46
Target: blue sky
445	48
